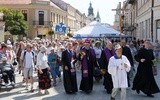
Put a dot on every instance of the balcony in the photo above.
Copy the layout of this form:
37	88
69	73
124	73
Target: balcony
131	1
41	23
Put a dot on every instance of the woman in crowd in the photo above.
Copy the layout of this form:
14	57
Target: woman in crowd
69	72
98	50
54	67
43	71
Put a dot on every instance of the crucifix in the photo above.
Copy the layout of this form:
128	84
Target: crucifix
120	11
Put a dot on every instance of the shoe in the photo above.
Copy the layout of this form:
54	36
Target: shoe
138	91
39	93
112	98
26	87
54	84
60	80
109	92
69	92
88	91
6	85
12	83
32	90
150	95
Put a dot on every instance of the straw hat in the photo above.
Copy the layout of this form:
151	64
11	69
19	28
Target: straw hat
43	48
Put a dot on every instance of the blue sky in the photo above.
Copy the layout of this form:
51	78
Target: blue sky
104	6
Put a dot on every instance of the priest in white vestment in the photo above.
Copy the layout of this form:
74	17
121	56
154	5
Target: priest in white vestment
118	67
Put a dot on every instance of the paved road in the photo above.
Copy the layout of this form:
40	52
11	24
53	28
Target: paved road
57	93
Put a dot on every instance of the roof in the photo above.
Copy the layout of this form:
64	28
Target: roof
15	1
61	4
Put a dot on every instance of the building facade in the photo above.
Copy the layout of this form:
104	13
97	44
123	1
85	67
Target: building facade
156	21
43	15
116	24
130	12
144	18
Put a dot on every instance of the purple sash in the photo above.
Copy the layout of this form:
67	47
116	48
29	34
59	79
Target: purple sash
109	54
84	61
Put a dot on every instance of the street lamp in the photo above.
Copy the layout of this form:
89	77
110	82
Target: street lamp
69	30
51	25
51	32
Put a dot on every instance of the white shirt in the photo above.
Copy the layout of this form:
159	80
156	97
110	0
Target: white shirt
98	52
48	50
118	71
42	60
28	59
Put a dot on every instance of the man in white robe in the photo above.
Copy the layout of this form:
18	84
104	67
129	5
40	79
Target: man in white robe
118	67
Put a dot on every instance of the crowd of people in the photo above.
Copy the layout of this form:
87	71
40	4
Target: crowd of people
112	62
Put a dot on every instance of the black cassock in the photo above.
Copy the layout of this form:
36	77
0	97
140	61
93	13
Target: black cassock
144	79
127	52
69	76
88	62
106	54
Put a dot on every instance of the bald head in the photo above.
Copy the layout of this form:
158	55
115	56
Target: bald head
109	45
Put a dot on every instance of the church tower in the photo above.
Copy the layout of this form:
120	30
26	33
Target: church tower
90	10
98	19
90	13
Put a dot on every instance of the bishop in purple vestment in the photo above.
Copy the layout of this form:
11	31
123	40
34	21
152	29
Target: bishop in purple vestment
88	61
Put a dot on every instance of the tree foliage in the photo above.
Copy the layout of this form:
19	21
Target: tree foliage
51	32
69	34
14	21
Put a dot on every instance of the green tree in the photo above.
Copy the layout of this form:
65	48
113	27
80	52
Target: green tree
14	22
69	34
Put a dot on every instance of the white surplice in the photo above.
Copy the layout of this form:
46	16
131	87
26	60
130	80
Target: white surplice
118	71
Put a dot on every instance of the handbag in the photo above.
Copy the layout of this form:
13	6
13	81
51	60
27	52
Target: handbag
59	61
154	69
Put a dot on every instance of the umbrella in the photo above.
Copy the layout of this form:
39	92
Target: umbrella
95	30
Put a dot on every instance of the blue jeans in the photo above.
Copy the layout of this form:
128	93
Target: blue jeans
55	72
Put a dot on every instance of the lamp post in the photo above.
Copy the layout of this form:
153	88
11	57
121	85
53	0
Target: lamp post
51	25
51	32
69	30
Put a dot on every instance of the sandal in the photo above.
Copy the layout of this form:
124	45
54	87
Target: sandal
32	90
46	92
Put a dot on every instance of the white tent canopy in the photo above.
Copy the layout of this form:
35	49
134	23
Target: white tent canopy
94	30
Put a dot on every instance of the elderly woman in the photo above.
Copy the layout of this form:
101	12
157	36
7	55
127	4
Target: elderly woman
54	67
43	71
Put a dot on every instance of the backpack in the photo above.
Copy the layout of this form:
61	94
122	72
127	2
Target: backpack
25	54
32	55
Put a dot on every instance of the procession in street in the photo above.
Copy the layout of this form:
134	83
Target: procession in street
87	60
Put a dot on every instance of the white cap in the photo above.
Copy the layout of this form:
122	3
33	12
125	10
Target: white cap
117	46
